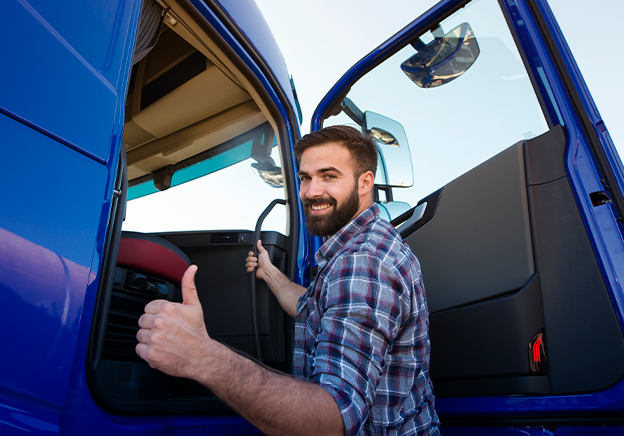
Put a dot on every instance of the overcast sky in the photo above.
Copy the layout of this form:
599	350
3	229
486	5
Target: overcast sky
321	39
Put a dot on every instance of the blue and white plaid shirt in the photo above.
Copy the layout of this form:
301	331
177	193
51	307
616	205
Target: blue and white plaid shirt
362	331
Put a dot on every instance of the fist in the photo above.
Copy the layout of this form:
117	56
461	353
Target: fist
172	336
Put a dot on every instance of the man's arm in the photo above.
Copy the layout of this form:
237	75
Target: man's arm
286	292
173	339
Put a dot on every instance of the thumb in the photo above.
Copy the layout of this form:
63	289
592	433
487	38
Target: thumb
260	247
189	291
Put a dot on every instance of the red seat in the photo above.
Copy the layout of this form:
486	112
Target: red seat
152	255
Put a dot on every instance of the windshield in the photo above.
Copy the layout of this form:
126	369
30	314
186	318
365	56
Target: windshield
219	190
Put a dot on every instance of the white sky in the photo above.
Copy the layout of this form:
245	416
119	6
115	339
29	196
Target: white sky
321	39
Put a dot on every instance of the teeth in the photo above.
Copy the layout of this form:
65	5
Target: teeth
320	206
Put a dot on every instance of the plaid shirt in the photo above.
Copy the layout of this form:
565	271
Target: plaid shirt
362	331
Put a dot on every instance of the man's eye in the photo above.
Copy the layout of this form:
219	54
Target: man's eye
330	176
303	178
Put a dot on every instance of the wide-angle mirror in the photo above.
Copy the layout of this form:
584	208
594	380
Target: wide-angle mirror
444	59
395	167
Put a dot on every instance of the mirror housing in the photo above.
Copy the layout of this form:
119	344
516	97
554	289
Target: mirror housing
269	173
395	160
444	59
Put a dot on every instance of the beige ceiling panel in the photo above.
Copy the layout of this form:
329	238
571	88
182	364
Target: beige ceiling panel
133	135
194	139
147	166
194	29
201	97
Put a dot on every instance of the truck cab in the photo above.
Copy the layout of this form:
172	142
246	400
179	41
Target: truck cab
141	137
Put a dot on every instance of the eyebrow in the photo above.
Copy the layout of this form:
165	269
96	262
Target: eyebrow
321	171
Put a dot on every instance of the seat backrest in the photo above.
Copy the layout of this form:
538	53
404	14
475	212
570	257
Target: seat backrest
152	255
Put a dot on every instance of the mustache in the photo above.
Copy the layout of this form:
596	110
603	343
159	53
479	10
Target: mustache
325	200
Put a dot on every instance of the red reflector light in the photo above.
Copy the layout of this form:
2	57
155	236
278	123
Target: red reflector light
537	354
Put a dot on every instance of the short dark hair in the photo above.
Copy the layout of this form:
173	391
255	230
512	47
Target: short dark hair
363	148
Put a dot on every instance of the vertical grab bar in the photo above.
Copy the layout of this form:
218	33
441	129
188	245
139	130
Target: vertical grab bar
254	296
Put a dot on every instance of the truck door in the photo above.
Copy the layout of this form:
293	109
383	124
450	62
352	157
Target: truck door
208	126
63	87
516	210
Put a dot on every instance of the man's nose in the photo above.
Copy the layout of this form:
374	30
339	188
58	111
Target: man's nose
315	189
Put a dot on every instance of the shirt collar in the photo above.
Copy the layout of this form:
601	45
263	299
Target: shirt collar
331	246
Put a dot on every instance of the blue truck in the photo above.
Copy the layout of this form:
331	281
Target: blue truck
141	136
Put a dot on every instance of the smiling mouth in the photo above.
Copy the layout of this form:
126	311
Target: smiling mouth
319	207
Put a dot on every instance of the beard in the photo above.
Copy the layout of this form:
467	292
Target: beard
329	224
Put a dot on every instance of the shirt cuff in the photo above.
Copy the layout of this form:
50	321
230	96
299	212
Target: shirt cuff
352	407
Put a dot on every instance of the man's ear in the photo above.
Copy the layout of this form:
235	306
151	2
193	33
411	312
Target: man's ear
366	181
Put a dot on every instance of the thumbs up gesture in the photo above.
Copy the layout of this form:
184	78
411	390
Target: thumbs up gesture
172	336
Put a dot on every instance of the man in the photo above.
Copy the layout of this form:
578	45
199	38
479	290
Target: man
361	341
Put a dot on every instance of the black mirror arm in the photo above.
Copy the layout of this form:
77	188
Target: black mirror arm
352	111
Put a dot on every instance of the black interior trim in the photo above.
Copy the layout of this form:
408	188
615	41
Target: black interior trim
100	313
432	201
482	349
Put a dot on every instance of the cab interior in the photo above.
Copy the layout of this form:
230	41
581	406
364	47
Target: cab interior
187	102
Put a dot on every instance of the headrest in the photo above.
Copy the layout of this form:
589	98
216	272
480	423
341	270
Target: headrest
153	255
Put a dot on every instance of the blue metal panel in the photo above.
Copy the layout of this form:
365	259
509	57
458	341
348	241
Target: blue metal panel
615	162
48	229
251	22
64	74
63	96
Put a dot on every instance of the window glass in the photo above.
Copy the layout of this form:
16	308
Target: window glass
221	192
456	126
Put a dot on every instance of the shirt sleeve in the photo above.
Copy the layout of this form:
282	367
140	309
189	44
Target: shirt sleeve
362	308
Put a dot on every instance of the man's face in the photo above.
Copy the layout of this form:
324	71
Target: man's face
328	188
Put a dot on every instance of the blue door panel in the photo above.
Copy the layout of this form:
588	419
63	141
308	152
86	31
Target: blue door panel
249	19
48	229
64	76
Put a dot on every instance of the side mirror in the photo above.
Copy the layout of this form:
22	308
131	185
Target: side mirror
395	160
444	59
269	173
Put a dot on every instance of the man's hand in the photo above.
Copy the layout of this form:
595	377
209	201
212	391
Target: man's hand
173	336
262	262
173	339
286	292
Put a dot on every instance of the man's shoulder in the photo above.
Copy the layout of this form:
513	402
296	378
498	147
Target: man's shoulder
380	242
381	233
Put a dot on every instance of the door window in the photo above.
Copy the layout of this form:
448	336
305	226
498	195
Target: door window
454	127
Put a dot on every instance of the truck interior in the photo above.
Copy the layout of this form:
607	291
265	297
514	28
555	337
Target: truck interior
190	113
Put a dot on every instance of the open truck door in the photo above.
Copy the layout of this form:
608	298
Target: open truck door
61	109
121	120
515	212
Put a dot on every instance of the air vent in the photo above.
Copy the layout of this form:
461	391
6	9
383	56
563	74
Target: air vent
122	326
216	238
184	71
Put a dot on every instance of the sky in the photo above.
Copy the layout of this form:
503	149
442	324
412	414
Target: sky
321	39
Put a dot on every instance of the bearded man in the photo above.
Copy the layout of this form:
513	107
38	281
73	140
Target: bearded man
361	361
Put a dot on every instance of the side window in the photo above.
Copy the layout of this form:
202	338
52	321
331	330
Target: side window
455	127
